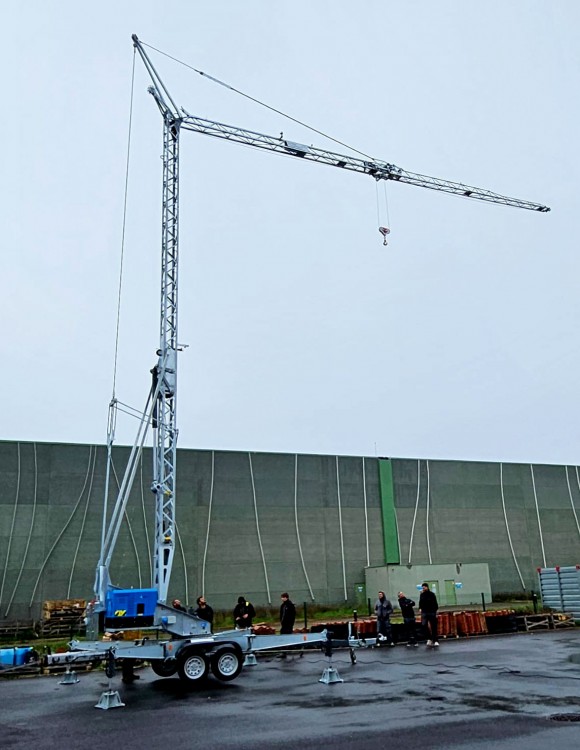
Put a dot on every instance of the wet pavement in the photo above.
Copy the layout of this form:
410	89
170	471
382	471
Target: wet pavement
494	692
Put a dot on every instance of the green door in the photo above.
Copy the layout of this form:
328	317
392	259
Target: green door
360	595
450	593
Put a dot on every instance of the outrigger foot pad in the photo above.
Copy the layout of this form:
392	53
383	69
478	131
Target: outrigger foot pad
330	676
250	660
110	699
69	678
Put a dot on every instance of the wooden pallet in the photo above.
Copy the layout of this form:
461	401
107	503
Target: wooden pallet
61	616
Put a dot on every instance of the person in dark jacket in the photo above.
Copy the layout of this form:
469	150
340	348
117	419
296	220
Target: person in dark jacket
429	606
287	615
176	604
244	612
383	611
203	611
408	613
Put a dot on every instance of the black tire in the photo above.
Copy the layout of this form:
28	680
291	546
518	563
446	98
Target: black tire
227	663
192	666
166	668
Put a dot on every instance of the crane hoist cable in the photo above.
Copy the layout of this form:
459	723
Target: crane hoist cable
384	227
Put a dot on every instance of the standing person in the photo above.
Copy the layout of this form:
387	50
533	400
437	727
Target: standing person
287	615
176	604
429	606
203	611
408	613
243	613
383	611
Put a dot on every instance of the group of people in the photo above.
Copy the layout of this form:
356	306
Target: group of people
427	605
244	612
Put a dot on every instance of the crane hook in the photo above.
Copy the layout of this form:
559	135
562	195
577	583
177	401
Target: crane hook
384	231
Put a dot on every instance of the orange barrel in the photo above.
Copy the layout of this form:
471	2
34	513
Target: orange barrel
443	624
482	623
461	623
453	624
471	618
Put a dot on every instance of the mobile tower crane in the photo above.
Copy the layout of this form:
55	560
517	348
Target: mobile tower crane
191	648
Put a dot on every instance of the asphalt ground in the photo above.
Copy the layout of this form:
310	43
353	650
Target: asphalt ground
491	692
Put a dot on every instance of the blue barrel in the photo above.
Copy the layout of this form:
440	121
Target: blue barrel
7	657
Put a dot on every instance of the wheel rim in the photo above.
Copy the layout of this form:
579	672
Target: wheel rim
227	664
194	667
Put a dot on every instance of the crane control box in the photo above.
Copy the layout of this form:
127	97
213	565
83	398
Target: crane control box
130	608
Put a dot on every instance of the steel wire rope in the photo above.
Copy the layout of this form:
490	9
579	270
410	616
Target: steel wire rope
13	522
186	590
130	529
507	528
379	222
74	562
297	527
340	529
258	529
145	524
364	478
64	528
112	405
29	532
427	513
387	203
124	223
538	515
416	509
253	99
208	523
571	500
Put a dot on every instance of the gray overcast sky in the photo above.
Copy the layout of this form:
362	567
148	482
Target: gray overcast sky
458	340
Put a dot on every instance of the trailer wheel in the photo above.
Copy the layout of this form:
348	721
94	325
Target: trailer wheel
227	663
166	668
192	666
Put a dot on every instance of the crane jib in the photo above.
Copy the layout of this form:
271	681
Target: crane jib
380	170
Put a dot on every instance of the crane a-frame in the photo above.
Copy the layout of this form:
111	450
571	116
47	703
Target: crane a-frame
149	606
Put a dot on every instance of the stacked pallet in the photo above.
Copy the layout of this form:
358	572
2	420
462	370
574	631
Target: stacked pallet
19	628
61	617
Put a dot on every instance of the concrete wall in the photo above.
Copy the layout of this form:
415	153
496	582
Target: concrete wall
307	524
511	516
251	524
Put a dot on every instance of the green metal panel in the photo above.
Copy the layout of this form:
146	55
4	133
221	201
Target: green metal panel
390	536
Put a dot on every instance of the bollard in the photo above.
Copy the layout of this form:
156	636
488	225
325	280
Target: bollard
305	617
535	602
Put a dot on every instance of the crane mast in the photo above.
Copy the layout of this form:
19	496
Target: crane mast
161	408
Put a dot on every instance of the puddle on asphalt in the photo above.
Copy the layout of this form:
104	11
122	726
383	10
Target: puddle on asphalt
337	701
